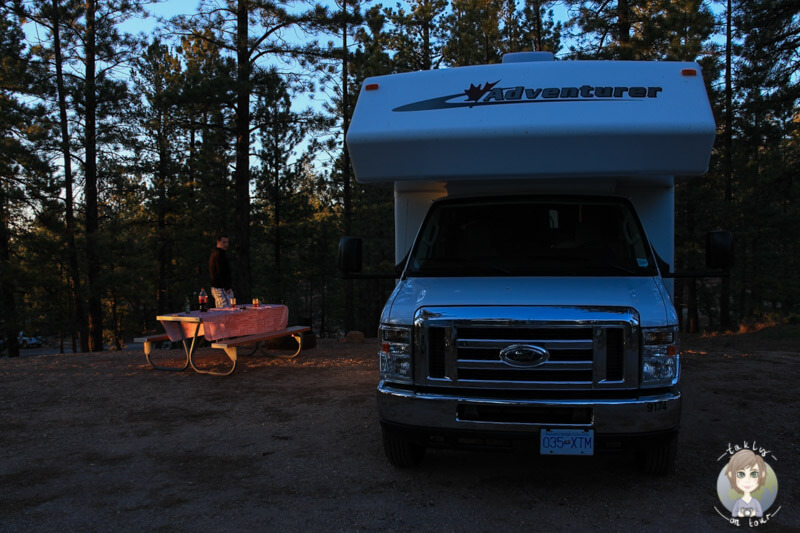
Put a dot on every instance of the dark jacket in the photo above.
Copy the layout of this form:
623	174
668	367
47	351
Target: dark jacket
220	269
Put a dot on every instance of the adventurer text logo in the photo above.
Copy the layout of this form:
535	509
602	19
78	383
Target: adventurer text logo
490	94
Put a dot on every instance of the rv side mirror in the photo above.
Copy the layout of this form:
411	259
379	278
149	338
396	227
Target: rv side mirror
350	255
719	249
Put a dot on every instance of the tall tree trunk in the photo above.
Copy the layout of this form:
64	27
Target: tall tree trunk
116	319
744	305
349	318
241	241
9	306
323	326
725	292
90	189
161	218
679	303
624	29
693	325
276	199
427	59
79	314
538	41
276	206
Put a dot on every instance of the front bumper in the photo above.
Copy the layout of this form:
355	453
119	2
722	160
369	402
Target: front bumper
630	414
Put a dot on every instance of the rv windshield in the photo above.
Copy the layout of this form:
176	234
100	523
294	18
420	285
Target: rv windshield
531	237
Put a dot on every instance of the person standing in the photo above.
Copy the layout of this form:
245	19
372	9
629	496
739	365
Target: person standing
220	271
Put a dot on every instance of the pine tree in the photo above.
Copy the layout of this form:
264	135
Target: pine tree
57	17
371	58
103	50
159	77
281	130
372	212
772	38
417	35
766	156
248	30
539	29
19	159
473	31
639	29
207	187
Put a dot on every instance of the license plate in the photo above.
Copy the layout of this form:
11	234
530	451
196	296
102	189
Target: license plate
566	442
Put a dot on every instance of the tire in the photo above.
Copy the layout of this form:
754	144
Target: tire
658	458
400	451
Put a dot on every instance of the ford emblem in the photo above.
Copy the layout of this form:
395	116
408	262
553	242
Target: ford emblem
524	355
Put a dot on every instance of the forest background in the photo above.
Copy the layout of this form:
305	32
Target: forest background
124	154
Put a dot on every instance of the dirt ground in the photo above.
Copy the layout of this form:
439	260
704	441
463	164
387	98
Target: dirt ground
92	442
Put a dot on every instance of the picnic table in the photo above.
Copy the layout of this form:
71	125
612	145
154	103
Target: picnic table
231	327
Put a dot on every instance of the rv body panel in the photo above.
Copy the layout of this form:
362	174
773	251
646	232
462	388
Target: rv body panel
517	121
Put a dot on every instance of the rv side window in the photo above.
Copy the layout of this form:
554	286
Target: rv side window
532	237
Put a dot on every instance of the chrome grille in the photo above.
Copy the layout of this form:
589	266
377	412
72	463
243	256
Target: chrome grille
596	348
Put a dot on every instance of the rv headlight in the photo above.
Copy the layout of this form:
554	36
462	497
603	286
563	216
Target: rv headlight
660	364
395	354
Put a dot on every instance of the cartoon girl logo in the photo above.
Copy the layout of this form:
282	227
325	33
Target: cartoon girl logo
747	486
746	473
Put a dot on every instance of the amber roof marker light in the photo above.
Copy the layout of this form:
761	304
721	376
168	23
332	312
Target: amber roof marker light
371	87
689	72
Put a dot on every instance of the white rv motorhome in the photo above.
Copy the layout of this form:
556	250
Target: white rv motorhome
534	216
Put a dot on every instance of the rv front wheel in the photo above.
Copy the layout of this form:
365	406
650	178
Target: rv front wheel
401	452
658	458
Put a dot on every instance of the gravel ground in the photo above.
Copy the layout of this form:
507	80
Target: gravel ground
100	442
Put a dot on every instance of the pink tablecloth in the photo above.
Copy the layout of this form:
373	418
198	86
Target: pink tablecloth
226	323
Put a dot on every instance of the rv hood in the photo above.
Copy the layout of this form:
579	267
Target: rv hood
647	295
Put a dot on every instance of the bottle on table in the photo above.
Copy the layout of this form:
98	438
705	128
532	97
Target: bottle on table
186	306
203	301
